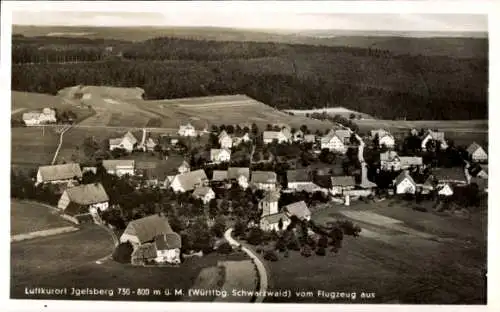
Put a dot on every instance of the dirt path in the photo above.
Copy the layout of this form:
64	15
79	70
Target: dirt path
17	110
60	143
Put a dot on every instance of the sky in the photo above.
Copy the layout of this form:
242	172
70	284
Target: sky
262	20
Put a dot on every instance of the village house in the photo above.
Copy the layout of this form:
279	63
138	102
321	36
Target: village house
298	209
219	177
271	222
390	160
454	176
187	130
378	133
152	239
404	183
127	142
34	118
386	140
84	199
189	181
444	189
407	162
435	136
341	184
264	180
205	193
298	178
241	175
89	169
333	143
479	171
147	143
477	153
269	204
59	174
119	167
309	138
220	155
225	142
279	136
243	139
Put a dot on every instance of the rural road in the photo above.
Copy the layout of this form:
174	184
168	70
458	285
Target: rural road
60	143
125	128
263	278
17	110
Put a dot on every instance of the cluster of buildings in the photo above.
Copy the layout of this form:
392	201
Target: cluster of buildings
35	118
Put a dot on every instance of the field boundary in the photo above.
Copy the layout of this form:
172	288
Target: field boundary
43	233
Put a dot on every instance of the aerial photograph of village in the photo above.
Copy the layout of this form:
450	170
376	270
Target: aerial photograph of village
318	158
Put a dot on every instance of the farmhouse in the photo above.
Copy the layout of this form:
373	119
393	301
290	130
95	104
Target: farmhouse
434	136
270	136
127	142
479	171
147	143
333	143
189	181
378	133
119	167
450	175
243	139
152	239
219	176
389	160
404	183
205	193
272	222
59	174
84	199
34	118
477	153
341	184
298	209
220	155
386	140
264	180
225	142
187	130
239	174
269	204
297	178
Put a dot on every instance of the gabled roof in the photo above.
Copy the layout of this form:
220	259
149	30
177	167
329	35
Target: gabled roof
31	115
264	177
343	181
298	209
129	136
435	135
188	125
117	141
402	176
327	138
343	134
60	172
112	164
219	175
87	194
223	133
473	148
275	218
236	172
380	132
450	174
147	228
202	191
272	135
142	165
168	241
475	169
190	179
299	175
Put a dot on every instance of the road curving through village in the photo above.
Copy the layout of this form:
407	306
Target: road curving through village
261	270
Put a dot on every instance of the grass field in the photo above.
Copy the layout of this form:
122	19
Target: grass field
397	265
29	217
69	261
33	146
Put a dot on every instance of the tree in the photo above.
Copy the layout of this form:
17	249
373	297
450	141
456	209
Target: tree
240	228
352	116
321	251
280	224
123	252
271	255
219	226
306	251
255	236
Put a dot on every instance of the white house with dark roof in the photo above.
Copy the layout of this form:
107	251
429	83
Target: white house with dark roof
84	199
205	193
225	142
477	153
35	118
59	174
189	181
340	184
298	178
219	176
298	136
239	174
269	204
127	142
168	248
271	222
437	136
333	143
270	136
243	139
298	209
386	140
119	167
220	155
187	130
264	180
404	183
309	138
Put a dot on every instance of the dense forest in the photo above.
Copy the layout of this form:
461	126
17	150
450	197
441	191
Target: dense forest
284	76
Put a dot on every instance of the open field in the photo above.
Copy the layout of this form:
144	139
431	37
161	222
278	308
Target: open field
394	260
72	264
28	217
26	101
33	146
342	111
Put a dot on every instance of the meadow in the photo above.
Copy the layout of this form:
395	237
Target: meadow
29	217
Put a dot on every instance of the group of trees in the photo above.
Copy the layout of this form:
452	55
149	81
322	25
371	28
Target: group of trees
211	68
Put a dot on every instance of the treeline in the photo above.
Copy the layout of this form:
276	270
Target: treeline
22	54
